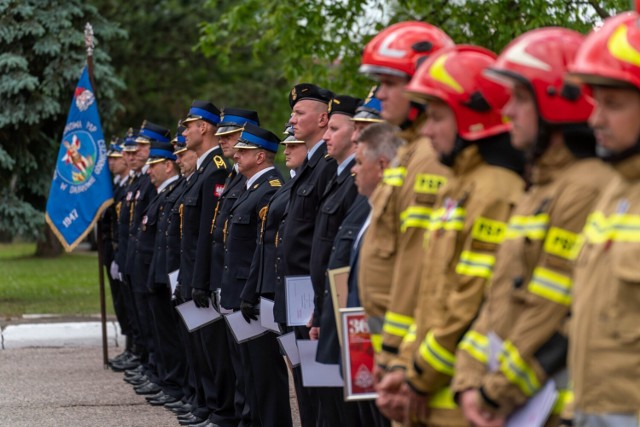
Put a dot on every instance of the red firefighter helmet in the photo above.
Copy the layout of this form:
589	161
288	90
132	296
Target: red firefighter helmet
610	55
397	49
540	59
454	76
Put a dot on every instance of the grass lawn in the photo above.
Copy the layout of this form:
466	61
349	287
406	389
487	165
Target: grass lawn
67	285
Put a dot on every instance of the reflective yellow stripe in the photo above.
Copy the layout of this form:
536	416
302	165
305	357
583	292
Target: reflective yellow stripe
396	324
415	217
565	397
437	356
488	230
443	399
477	345
443	219
561	243
617	227
428	184
411	335
516	369
551	285
394	176
475	264
533	227
376	341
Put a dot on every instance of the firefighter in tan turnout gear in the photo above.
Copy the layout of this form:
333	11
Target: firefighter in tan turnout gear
467	224
402	202
604	349
519	340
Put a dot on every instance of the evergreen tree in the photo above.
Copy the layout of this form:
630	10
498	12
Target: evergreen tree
41	56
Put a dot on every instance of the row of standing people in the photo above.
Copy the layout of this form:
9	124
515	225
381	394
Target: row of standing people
462	243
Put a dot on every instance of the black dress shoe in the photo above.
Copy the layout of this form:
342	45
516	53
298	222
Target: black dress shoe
126	364
136	371
205	423
157	395
180	410
136	380
192	420
119	357
149	388
160	401
176	404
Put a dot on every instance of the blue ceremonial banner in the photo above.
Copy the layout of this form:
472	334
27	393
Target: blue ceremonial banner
81	187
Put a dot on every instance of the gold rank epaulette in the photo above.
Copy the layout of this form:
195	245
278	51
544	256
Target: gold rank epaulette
275	183
219	162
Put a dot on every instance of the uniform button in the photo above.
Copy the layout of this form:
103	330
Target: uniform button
340	228
333	248
278	277
226	268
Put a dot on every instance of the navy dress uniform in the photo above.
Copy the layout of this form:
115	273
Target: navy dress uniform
191	387
108	228
197	208
297	235
163	326
125	219
335	202
233	121
266	279
139	253
242	229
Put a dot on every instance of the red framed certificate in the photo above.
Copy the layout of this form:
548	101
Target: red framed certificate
357	355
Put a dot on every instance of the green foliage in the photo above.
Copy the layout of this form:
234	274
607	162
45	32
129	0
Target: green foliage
321	41
42	45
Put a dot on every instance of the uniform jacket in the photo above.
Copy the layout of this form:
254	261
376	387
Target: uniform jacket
467	226
242	234
159	266
304	202
174	225
604	349
233	189
197	207
108	226
530	295
145	240
124	221
141	199
334	205
401	207
266	275
328	344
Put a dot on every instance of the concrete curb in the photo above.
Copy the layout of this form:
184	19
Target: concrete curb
73	334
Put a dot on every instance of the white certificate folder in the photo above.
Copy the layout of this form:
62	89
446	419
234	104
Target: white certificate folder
299	299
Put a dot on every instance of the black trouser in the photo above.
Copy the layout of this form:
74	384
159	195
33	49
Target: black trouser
267	382
307	398
146	341
189	383
218	388
170	358
119	307
241	404
129	303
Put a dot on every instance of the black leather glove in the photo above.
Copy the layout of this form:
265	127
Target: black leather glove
178	294
201	297
249	311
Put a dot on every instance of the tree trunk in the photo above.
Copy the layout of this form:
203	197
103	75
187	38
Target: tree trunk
49	246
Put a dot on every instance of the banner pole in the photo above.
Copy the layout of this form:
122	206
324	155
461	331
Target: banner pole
89	44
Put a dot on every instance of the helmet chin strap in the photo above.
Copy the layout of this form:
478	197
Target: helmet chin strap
611	157
415	110
458	146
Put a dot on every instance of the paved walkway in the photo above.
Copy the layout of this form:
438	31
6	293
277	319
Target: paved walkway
69	387
51	374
